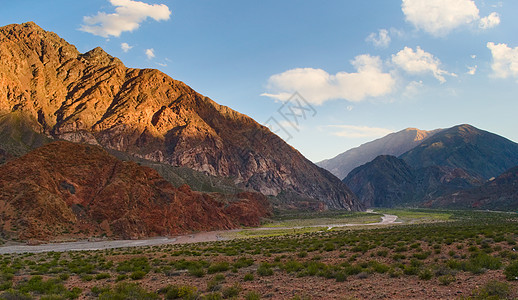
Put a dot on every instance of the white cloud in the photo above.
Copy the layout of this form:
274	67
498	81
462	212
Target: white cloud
420	62
472	70
381	39
490	21
352	131
126	47
505	60
317	86
413	89
127	17
150	53
439	17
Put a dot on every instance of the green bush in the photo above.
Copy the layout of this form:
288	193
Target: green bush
232	291
511	271
265	269
137	275
218	267
248	277
129	291
446	279
492	290
252	296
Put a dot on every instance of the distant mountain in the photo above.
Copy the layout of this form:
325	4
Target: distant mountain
476	151
65	190
455	159
93	98
384	182
393	144
388	181
498	194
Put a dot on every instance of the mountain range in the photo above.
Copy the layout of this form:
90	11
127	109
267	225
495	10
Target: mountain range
392	144
50	91
452	160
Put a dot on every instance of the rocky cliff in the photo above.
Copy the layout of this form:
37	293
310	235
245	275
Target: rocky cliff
93	98
73	190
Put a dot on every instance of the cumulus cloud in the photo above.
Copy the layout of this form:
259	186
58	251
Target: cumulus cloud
381	39
317	86
150	53
420	62
126	47
505	60
352	131
439	17
490	21
127	17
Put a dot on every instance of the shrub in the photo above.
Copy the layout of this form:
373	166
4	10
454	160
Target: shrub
101	276
511	271
252	296
492	290
425	274
248	277
137	275
446	279
265	269
130	291
218	267
232	291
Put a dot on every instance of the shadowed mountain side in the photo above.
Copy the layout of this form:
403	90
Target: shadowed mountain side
498	194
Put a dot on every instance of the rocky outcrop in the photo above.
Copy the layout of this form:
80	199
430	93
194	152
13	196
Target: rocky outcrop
393	144
93	98
65	190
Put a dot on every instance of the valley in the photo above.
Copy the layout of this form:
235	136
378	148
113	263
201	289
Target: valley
470	255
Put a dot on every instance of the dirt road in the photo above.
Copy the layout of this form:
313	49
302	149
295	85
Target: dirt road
210	236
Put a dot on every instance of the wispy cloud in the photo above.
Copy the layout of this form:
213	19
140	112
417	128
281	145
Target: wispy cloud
126	47
381	39
127	17
352	131
318	86
150	53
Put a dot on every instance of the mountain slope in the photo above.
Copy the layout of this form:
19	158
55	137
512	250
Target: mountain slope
65	189
393	144
93	98
498	194
384	182
476	151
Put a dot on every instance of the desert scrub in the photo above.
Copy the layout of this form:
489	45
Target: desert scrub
127	291
511	271
265	269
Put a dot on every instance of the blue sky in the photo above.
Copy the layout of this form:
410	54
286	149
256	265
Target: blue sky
365	68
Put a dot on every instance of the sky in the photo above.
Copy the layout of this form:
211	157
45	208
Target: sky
324	75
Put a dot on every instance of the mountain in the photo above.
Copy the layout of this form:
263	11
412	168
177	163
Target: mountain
498	194
388	181
455	159
93	98
476	151
65	190
384	182
393	144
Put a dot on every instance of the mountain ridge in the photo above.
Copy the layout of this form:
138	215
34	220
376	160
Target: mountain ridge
93	98
395	144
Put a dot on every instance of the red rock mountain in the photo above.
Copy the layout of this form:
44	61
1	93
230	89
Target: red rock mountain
65	189
93	98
